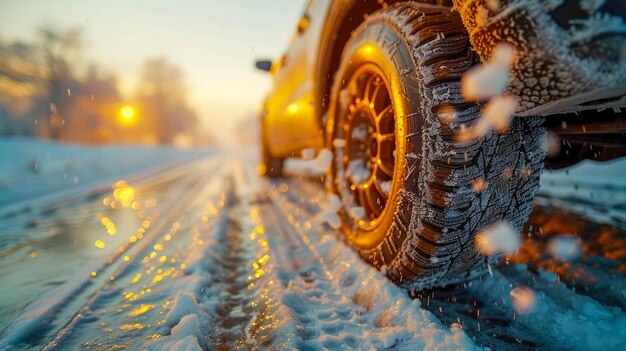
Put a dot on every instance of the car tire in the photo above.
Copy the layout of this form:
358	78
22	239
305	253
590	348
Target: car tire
443	192
270	166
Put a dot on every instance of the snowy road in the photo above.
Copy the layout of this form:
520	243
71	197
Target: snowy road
208	255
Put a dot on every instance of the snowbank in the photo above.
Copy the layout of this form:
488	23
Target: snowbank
594	189
33	168
561	316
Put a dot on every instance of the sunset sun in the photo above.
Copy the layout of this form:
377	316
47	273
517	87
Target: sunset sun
127	115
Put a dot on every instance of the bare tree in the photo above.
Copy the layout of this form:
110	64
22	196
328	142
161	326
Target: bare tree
163	93
59	49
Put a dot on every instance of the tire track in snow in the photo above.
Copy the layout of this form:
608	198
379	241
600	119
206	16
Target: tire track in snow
327	297
235	257
233	308
232	316
483	306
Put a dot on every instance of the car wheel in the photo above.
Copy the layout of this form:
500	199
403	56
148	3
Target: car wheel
270	166
415	198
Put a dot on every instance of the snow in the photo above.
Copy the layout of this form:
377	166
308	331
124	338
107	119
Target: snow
308	154
551	310
357	172
484	82
39	314
493	5
498	112
489	79
497	238
593	189
591	6
596	25
566	247
487	82
32	168
552	145
482	16
298	290
523	299
329	210
183	336
308	166
351	302
257	267
357	212
185	303
385	186
339	143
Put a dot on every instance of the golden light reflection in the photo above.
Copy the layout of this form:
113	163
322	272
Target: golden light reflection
368	49
293	108
151	202
136	278
158	263
125	194
140	310
134	326
266	320
283	188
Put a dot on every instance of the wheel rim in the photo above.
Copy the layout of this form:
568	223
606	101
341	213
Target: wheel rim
369	136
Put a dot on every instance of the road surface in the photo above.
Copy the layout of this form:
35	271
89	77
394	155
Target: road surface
208	255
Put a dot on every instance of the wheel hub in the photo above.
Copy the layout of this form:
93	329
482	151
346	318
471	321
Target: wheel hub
369	134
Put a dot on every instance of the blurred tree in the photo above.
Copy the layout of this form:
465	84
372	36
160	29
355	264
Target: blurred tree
163	95
21	83
91	117
43	94
60	47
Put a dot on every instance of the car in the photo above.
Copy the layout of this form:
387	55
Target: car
380	84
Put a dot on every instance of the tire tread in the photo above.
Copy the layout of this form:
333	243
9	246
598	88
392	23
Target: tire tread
435	247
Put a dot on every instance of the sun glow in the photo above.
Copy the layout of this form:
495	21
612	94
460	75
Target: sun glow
127	115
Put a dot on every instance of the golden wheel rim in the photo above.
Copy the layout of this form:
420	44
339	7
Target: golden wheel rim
369	136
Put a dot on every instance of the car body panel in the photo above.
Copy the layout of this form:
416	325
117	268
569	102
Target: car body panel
289	118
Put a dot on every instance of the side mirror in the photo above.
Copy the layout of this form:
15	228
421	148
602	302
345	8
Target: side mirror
264	65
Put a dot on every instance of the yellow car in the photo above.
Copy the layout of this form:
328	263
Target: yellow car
431	163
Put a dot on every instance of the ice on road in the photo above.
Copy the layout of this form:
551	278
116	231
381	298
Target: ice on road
208	255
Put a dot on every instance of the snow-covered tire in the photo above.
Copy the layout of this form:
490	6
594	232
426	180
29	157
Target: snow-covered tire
444	192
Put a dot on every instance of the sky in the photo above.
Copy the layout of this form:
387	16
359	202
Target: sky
214	42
